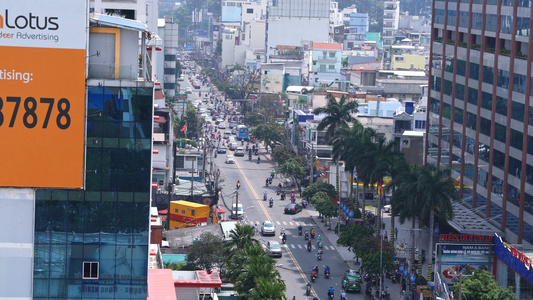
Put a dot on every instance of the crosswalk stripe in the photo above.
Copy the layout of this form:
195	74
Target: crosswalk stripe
292	245
299	246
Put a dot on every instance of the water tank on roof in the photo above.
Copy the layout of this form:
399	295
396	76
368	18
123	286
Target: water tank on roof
409	107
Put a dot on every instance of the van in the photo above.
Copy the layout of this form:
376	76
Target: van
237	214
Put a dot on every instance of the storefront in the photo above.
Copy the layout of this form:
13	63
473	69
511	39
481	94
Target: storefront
514	268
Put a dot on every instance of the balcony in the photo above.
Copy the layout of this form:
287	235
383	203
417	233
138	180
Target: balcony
115	72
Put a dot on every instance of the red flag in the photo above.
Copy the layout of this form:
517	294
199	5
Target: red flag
184	128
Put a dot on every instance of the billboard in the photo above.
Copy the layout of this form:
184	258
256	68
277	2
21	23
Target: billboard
42	93
452	259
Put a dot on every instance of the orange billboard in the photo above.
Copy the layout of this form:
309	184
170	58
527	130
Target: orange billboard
42	93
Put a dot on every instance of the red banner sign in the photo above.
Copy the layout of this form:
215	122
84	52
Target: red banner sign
451	237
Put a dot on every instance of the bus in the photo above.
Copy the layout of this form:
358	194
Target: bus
242	133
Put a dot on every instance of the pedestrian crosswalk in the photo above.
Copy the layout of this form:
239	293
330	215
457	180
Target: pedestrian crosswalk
280	223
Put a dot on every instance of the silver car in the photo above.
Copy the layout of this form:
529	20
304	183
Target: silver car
268	228
274	249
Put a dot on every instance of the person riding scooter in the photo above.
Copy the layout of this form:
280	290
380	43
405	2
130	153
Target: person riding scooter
271	202
300	230
309	246
327	271
306	234
283	195
312	233
283	238
308	289
265	196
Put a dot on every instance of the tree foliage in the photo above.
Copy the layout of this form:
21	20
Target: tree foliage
316	187
194	124
284	153
293	168
483	286
205	253
338	114
272	134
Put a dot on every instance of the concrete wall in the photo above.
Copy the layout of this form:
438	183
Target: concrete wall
292	31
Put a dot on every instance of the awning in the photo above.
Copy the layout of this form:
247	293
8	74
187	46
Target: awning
163	212
221	211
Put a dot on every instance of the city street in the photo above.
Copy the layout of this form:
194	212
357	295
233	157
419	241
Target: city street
296	264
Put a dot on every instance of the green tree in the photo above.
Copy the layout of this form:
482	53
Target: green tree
240	237
257	267
174	266
238	258
435	191
316	187
353	234
272	134
194	124
205	253
267	288
326	208
338	114
483	286
254	118
369	249
284	153
293	168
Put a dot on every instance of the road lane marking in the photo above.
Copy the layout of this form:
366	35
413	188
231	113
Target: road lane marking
260	203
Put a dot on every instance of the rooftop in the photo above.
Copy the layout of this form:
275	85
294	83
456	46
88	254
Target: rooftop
330	46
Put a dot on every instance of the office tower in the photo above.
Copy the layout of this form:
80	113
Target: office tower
479	109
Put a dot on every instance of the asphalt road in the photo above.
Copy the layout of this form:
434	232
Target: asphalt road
296	262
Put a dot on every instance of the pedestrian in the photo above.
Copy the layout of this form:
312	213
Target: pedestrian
396	232
255	229
347	220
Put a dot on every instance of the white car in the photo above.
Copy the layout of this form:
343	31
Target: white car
268	228
222	125
387	208
230	159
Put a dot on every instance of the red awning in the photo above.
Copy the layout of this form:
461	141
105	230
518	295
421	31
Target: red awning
163	212
221	211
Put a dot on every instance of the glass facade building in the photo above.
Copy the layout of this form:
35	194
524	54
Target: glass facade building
480	121
93	243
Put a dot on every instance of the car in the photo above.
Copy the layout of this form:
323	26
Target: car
221	149
188	90
222	125
351	282
387	208
232	124
220	120
239	151
274	249
232	146
293	208
268	228
227	134
237	211
230	159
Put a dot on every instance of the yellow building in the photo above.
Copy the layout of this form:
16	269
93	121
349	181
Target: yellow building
408	62
187	214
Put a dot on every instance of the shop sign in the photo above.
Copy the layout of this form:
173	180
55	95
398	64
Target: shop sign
514	258
451	237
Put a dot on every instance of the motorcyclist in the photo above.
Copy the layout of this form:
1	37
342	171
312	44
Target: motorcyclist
308	244
319	238
308	289
266	182
271	201
343	295
238	184
282	231
283	238
292	195
283	195
307	234
265	196
272	173
315	269
331	291
312	232
300	230
258	159
319	245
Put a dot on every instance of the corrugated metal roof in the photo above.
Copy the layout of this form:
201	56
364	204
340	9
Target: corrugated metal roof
330	46
118	22
161	284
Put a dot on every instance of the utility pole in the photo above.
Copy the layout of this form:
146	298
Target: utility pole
203	165
311	175
236	204
192	183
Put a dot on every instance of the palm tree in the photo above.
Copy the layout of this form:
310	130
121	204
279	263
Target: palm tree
435	190
240	237
339	114
399	166
237	261
267	288
260	266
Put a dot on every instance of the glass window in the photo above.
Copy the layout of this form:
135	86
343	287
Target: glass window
503	79
461	67
517	139
459	91
435	106
519	83
477	20
488	74
463	18
522	26
472	96
484	126
486	100
501	106
518	111
439	16
471	120
507	2
90	270
499	159
452	14
170	57
458	116
492	21
500	132
474	71
506	24
470	147
447	87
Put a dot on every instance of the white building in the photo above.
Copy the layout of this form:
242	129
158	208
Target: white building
166	66
391	21
229	36
272	78
290	22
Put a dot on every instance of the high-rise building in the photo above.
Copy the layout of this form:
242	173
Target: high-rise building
93	242
480	124
391	20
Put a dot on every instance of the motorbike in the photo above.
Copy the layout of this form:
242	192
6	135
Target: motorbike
308	247
256	152
215	155
300	231
271	203
266	182
264	197
293	200
278	191
368	290
314	275
312	235
343	298
393	278
283	196
331	295
319	254
250	157
283	239
306	235
308	290
258	159
326	273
